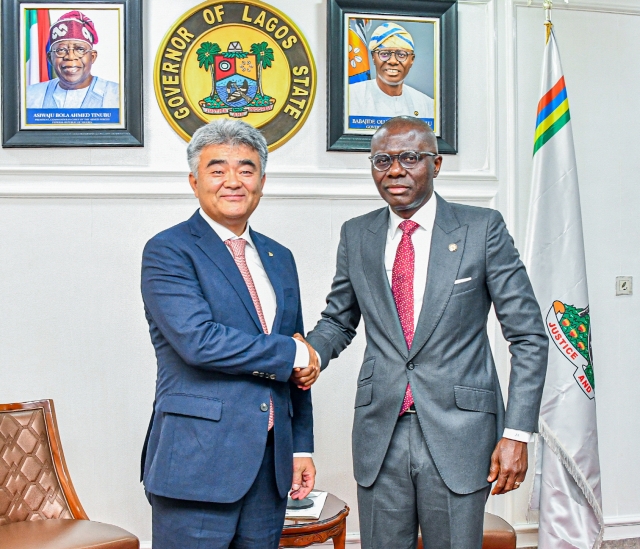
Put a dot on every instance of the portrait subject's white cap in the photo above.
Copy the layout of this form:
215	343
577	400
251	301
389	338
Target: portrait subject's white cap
391	35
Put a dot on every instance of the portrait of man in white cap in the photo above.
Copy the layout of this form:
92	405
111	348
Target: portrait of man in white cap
72	54
387	95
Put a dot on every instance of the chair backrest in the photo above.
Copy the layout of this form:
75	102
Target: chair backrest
34	480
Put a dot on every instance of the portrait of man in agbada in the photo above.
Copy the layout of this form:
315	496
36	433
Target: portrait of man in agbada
72	53
393	54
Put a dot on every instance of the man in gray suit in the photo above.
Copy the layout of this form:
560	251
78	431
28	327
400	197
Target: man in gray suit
430	431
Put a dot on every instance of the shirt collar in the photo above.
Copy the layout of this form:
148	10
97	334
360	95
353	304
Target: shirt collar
425	216
224	233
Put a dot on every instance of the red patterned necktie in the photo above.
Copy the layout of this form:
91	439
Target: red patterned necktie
237	247
402	290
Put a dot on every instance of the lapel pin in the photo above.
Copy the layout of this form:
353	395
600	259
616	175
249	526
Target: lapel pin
453	247
270	254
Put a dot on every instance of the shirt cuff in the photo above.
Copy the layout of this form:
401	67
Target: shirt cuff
520	436
302	355
302	455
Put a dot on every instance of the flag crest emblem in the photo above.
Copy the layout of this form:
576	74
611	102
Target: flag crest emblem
570	329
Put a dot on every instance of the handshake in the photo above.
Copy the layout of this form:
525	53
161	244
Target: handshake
304	378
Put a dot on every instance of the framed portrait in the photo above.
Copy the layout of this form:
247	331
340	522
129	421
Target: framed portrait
389	59
71	73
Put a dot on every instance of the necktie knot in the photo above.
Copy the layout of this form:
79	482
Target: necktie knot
408	227
236	245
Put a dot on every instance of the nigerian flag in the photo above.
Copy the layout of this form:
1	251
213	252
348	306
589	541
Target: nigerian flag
566	487
36	38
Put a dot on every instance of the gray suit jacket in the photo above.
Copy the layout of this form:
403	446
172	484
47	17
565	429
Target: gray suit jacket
449	366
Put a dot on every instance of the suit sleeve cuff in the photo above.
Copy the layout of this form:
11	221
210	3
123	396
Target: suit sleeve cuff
302	455
520	436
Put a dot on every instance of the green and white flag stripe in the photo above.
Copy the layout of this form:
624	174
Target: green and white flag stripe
36	41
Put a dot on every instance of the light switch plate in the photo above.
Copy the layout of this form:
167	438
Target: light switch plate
624	285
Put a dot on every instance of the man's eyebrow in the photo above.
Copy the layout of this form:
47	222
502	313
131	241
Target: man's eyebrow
247	162
216	161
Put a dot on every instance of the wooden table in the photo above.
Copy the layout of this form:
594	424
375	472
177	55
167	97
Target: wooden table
331	524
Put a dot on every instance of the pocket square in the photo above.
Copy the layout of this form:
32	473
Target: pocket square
461	280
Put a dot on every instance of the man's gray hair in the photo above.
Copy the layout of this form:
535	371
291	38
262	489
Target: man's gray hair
226	132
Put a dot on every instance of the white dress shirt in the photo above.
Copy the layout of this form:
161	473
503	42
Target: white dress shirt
266	295
421	238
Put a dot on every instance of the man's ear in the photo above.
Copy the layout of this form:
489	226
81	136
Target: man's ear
437	163
262	182
194	184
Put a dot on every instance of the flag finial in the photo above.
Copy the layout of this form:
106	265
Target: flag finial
547	5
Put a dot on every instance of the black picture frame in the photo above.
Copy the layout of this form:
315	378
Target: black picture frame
132	135
446	11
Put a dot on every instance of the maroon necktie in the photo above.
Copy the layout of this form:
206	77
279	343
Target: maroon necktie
402	289
237	249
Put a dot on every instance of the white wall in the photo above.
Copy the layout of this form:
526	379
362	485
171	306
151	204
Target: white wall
74	221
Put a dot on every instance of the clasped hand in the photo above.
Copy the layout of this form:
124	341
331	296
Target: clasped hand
304	378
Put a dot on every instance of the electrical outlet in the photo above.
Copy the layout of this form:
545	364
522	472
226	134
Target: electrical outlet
624	285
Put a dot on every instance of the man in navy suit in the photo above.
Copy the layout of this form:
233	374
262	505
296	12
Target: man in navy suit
232	432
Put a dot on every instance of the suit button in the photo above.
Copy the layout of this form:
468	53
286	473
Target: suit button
410	365
256	373
272	376
264	407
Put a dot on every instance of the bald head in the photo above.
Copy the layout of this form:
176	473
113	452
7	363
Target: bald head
407	124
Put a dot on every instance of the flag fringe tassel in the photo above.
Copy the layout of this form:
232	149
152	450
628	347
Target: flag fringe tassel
570	465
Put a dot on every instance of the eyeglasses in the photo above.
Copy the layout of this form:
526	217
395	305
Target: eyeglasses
408	159
385	55
63	52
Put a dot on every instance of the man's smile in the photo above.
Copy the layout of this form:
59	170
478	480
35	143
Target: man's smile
71	69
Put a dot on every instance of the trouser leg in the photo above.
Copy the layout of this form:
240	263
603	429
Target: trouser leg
387	509
447	520
409	491
253	522
262	516
182	524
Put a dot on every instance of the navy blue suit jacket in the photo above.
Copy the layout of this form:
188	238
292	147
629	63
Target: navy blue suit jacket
217	369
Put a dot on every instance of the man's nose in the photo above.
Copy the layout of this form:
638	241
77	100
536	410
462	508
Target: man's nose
232	181
396	169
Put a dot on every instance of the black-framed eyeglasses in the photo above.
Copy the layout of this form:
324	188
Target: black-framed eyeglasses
401	55
408	159
63	52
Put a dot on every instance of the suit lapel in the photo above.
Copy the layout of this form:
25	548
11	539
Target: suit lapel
374	242
216	250
441	274
271	266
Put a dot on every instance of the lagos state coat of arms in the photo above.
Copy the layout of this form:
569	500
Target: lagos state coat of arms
239	59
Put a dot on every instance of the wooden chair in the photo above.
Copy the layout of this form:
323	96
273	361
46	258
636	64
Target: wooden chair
39	507
498	534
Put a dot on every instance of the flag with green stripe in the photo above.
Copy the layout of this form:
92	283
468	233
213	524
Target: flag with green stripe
37	24
566	487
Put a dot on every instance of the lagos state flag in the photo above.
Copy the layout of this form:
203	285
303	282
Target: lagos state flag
566	487
37	44
359	69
